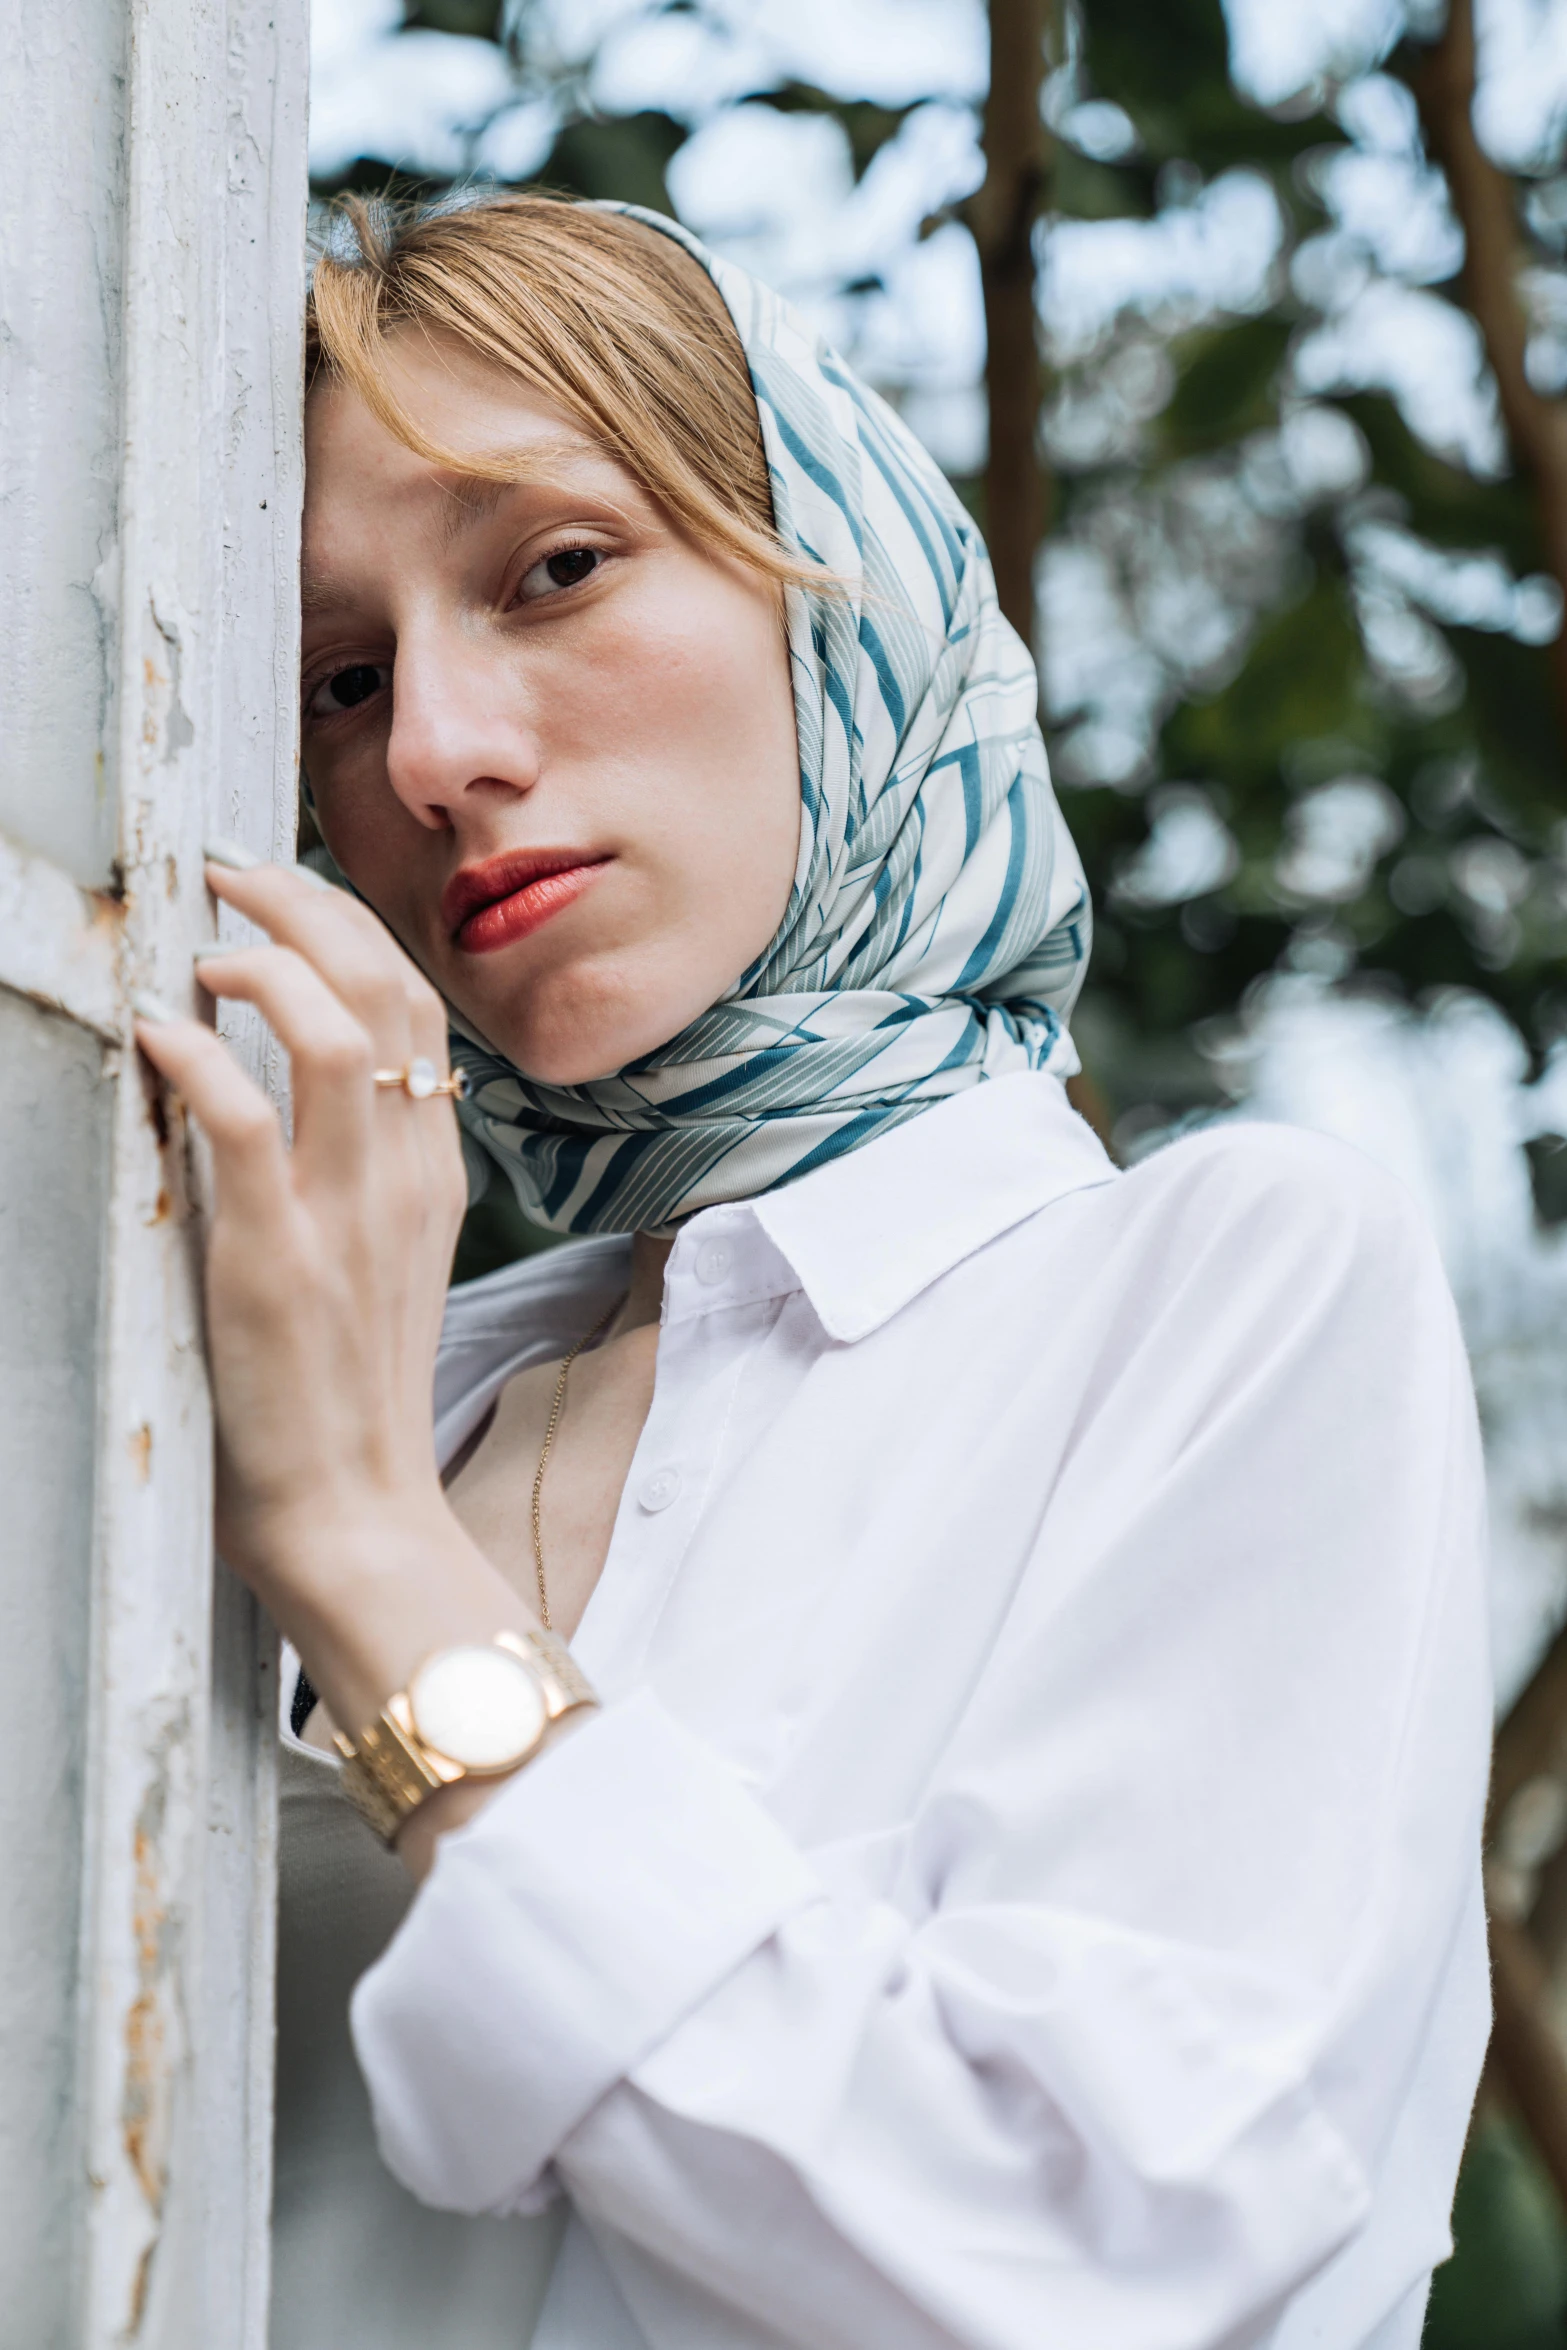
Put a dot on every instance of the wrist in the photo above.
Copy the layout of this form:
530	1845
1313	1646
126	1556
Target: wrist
366	1595
472	1716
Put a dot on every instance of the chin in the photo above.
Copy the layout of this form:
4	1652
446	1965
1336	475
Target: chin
567	1069
586	1023
567	1053
578	1052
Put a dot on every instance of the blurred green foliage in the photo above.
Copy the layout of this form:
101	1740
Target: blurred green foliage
482	20
495	1232
1506	2287
1467	886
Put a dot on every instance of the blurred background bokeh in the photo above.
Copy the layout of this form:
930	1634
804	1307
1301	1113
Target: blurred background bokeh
1243	330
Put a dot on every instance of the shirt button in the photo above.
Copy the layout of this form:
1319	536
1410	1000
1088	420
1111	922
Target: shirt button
713	1263
659	1490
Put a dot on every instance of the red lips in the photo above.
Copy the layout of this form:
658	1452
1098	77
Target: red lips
490	905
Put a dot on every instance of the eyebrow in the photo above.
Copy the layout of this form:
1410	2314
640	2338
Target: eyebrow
471	499
470	502
474	497
316	594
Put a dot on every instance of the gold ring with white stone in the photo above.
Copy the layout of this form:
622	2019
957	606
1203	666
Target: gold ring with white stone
422	1081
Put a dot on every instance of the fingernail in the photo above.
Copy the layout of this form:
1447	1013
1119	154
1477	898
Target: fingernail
233	854
152	1008
315	879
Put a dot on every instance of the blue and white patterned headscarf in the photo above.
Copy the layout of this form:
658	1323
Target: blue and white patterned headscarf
939	923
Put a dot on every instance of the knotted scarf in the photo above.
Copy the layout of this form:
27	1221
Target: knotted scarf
938	925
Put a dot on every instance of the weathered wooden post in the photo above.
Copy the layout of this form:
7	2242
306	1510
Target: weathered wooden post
151	260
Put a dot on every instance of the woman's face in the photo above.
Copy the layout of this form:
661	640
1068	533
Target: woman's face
549	739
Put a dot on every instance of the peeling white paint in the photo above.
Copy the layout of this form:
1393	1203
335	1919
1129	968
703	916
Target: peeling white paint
149	503
62	227
59	944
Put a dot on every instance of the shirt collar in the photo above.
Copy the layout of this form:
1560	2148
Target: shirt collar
866	1233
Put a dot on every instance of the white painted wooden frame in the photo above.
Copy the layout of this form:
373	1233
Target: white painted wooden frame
206	207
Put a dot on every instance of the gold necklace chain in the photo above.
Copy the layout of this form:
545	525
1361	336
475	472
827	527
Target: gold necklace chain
599	1327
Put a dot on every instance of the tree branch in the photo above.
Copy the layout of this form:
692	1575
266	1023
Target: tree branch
1002	215
1444	86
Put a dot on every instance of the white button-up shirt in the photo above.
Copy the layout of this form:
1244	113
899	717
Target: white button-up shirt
1023	1887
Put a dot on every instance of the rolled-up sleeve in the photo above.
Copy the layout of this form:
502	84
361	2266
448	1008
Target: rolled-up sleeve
635	1872
1119	2056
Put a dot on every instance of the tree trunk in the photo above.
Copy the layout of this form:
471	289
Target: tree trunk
1003	215
1443	82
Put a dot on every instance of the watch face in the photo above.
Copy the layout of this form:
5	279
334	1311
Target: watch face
480	1707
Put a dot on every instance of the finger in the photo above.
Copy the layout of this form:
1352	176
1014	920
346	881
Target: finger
331	1053
352	949
249	1156
333	1063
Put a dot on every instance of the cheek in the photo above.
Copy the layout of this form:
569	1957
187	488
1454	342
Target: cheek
696	696
683	733
658	688
751	771
370	833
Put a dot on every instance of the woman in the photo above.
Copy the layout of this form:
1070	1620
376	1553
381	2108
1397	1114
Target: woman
998	1865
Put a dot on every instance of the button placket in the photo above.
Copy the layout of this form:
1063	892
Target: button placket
659	1490
706	1337
686	1423
713	1263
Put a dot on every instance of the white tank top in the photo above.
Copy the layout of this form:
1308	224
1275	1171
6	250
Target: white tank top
357	2263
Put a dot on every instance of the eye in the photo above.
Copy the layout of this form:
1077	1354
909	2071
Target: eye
566	568
346	688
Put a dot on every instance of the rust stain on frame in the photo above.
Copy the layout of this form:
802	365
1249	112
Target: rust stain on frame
143	2279
146	2096
146	2089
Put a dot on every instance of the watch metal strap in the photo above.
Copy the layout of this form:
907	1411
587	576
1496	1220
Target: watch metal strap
387	1774
388	1771
564	1682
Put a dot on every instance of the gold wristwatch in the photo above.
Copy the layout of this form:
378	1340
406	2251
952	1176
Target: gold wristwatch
468	1713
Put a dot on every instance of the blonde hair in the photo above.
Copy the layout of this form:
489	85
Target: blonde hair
608	319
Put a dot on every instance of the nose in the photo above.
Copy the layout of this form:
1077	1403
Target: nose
459	730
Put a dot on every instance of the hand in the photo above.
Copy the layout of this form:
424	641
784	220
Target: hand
326	1264
326	1273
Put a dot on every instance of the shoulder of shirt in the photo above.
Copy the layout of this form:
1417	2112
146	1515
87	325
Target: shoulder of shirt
517	1294
1238	1175
526	1312
537	1305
